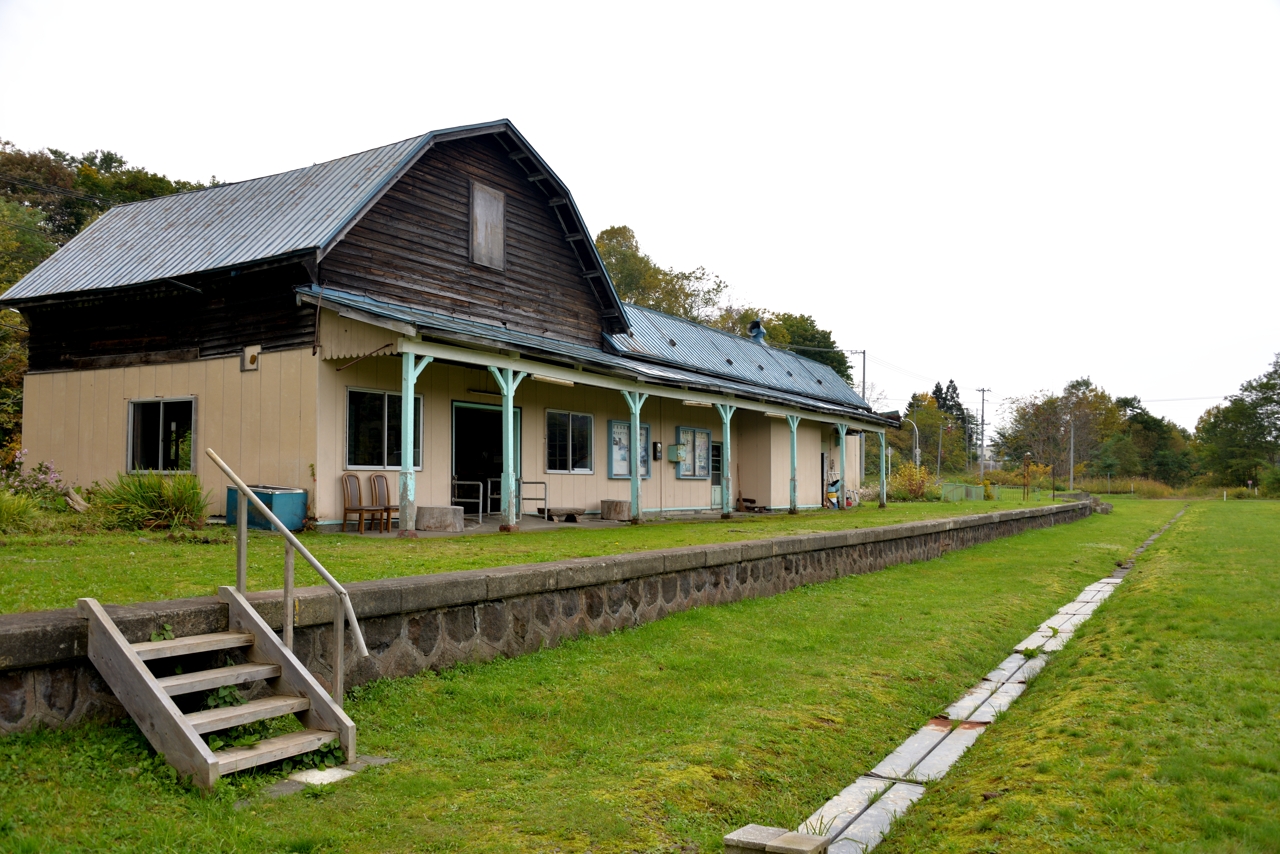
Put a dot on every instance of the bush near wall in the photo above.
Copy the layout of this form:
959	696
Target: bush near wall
150	500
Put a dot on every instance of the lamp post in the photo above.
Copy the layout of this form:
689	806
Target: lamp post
915	447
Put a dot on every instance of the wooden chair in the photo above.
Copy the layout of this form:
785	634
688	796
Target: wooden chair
382	500
353	503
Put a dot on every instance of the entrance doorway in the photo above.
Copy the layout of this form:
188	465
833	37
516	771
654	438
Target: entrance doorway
717	466
477	450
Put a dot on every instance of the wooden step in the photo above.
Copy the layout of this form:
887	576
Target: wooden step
271	750
210	720
205	680
148	650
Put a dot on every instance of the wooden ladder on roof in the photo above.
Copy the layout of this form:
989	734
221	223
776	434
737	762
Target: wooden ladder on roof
179	735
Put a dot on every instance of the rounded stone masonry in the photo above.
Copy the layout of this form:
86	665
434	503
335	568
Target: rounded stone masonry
439	518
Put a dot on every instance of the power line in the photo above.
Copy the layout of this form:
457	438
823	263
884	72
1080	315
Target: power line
46	234
23	182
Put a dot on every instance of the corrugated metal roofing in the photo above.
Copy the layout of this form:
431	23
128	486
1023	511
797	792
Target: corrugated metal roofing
219	227
676	341
445	326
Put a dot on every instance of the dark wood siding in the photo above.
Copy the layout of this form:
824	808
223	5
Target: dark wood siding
413	248
170	324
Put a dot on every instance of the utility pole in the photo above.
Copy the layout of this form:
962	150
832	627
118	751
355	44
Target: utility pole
1071	457
982	441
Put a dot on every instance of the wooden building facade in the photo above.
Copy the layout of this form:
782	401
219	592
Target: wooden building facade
285	321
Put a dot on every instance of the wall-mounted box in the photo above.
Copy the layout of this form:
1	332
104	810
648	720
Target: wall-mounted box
677	453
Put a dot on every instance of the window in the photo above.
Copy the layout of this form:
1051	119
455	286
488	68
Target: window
373	430
488	226
620	449
697	460
568	442
160	434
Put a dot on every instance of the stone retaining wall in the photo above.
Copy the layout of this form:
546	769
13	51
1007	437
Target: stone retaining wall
434	621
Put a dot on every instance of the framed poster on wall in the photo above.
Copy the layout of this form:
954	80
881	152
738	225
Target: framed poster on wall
620	449
697	461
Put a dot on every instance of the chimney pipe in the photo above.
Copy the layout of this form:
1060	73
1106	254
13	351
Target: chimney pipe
756	329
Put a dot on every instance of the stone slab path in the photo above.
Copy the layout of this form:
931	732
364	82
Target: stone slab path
855	820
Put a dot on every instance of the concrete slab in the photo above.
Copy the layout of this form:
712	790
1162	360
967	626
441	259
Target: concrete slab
972	700
1035	640
942	757
998	702
839	812
753	837
897	764
870	827
1007	668
1081	608
792	842
321	776
1110	579
1056	642
1031	669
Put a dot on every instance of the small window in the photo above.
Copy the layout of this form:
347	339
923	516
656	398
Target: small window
569	442
697	460
620	449
373	430
488	227
161	433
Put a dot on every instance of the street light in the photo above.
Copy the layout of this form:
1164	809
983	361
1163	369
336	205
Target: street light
915	447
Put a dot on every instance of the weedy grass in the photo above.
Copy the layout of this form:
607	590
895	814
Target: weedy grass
51	570
659	738
1155	729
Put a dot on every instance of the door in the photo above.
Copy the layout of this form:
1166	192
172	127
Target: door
477	453
717	465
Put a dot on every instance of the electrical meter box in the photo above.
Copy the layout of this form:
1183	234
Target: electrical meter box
677	453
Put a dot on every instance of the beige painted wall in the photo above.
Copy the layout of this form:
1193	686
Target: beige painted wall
262	423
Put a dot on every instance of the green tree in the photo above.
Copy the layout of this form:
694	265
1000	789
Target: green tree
805	338
1232	442
694	295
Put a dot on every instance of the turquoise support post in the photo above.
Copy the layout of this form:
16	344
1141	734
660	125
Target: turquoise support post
410	369
884	492
635	400
508	382
840	493
726	478
794	421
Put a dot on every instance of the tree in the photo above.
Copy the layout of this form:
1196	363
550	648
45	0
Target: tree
694	295
804	337
1232	442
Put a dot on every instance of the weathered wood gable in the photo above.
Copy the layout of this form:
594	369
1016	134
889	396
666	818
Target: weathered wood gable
413	248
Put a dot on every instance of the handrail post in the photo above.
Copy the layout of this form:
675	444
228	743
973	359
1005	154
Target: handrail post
288	595
338	631
242	541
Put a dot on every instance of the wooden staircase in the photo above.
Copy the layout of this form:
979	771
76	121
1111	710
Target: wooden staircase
178	734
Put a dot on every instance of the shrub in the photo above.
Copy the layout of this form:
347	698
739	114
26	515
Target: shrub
150	500
909	482
17	512
42	483
1270	483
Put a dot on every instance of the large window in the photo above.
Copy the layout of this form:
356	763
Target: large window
160	434
697	460
373	430
621	449
568	442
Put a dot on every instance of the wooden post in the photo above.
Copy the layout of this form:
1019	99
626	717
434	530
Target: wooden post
288	595
242	541
726	480
410	370
635	400
884	492
508	382
794	421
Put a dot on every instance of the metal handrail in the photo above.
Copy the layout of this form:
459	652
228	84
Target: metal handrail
246	495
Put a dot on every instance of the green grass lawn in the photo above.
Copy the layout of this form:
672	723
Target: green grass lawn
659	738
1156	729
53	570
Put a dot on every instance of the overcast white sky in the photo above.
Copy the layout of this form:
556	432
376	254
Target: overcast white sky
1012	194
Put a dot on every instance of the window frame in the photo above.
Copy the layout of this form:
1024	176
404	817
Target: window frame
346	432
691	454
646	472
128	459
546	442
473	214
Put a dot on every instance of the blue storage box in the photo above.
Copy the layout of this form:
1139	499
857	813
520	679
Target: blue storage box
289	505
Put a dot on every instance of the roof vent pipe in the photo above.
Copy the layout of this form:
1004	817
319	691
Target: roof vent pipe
756	330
